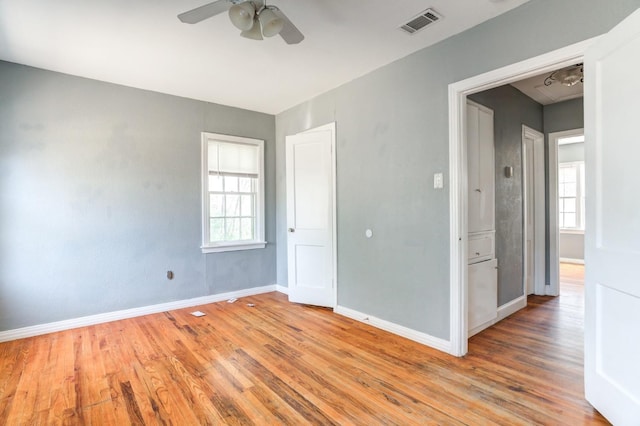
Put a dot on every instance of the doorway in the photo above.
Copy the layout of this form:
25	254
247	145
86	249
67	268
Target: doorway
457	154
566	240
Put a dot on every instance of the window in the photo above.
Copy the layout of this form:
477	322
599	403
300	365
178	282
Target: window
571	195
232	193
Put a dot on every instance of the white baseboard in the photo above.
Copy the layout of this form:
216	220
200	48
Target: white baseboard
503	311
36	330
570	260
479	328
282	289
411	334
511	307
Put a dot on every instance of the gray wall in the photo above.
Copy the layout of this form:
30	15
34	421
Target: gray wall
511	110
100	196
567	115
571	246
392	127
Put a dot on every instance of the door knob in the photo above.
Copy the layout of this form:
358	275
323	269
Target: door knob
292	230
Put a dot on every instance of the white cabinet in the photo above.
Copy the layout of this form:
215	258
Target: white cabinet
480	168
481	247
483	295
482	270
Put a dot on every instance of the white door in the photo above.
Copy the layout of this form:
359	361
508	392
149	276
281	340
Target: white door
310	162
612	290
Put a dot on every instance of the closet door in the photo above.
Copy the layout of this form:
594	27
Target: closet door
480	168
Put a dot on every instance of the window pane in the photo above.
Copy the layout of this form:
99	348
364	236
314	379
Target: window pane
246	205
215	183
568	174
561	220
569	220
216	205
246	184
569	205
230	184
246	229
561	190
233	179
232	205
216	230
570	190
232	230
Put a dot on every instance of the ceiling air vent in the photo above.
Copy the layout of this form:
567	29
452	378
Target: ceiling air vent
427	17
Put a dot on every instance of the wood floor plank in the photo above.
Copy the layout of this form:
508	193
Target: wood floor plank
289	364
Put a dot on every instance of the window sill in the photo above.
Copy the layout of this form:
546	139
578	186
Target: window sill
234	247
572	231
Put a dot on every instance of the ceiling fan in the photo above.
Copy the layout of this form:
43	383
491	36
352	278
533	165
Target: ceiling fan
253	17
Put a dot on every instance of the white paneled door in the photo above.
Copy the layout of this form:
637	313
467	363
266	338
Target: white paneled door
612	293
310	162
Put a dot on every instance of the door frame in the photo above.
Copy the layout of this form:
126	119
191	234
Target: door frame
539	219
554	226
458	92
334	237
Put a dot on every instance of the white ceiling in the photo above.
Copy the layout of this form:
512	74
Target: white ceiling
142	44
535	88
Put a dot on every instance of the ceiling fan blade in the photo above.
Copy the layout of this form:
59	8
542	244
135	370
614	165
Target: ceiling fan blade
203	12
290	34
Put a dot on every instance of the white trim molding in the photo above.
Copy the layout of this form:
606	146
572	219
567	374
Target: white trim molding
539	210
504	311
409	333
458	92
512	307
282	289
570	260
36	330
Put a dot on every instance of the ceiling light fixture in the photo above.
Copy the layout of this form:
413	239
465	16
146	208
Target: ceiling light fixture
255	21
569	76
254	18
242	14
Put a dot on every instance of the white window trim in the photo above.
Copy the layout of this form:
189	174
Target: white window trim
259	241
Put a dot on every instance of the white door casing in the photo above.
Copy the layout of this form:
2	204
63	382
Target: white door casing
534	211
528	205
311	236
612	237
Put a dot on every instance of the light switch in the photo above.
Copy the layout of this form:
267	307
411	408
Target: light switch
438	181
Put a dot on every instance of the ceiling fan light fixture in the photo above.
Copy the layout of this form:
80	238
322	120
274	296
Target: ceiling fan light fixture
242	15
271	23
255	32
254	18
567	76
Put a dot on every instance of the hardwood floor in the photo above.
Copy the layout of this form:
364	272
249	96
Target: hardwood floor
281	363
